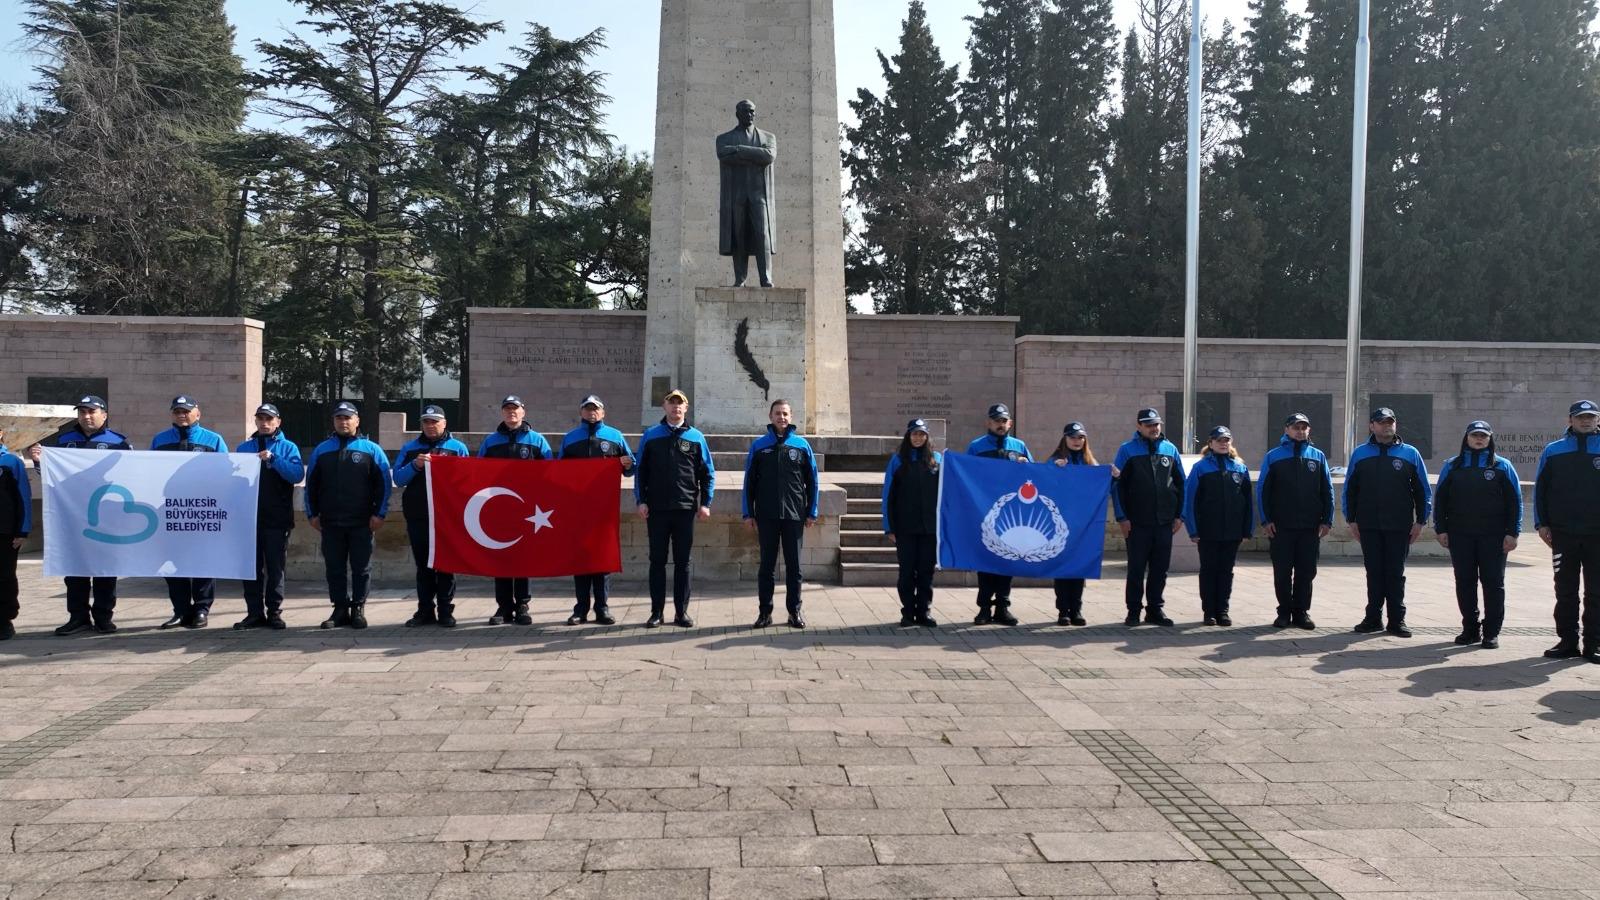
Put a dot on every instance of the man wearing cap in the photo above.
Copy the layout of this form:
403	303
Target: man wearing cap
1295	497
513	438
191	597
673	485
281	470
1566	510
347	497
1477	514
994	591
1386	500
593	439
780	503
16	521
436	591
91	433
1148	504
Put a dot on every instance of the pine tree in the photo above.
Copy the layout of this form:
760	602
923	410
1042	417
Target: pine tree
905	163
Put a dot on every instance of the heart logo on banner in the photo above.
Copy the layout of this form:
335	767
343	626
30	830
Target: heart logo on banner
129	507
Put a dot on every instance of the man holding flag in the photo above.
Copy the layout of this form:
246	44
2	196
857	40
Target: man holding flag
593	439
436	590
994	590
191	597
281	470
1149	508
513	438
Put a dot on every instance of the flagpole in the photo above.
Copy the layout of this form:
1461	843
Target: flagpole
1358	205
1191	275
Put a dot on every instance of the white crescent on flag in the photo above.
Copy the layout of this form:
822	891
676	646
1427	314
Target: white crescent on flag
470	517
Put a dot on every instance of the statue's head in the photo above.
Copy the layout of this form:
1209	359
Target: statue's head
746	112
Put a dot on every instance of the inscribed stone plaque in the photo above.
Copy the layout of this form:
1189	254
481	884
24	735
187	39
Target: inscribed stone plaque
65	390
1214	409
1414	414
1317	407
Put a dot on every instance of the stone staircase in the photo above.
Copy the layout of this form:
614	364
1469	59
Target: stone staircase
866	558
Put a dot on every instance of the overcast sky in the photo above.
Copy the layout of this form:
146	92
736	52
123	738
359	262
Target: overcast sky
632	31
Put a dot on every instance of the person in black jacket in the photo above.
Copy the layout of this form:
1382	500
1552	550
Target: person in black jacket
994	589
911	521
436	590
673	486
191	597
513	438
1566	512
281	470
16	521
1073	450
1217	510
347	498
1148	503
1295	499
1386	500
780	502
1477	514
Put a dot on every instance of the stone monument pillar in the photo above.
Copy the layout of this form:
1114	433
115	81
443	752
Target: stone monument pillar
780	55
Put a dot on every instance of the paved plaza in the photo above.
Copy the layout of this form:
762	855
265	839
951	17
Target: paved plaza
852	760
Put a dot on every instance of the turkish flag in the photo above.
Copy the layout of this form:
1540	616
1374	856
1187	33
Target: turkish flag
515	518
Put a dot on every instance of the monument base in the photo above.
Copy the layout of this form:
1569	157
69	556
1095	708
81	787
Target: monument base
749	350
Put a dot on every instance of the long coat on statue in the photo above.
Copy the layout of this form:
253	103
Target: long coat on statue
748	197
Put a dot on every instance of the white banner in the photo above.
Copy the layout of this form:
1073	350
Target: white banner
145	513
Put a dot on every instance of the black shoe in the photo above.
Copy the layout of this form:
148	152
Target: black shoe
1490	642
1210	620
604	618
682	620
927	621
197	619
763	618
358	617
1079	620
254	621
7	631
1224	621
1132	621
1563	650
1063	619
1282	621
421	619
1399	629
1469	636
796	620
339	619
907	620
1157	617
522	617
500	617
447	620
984	617
1369	626
173	622
575	619
654	621
275	621
1304	622
105	626
1592	654
1003	616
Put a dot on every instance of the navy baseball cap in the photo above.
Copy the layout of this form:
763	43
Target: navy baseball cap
267	409
184	402
1477	426
1221	431
593	401
1074	429
346	408
917	425
1381	413
90	401
433	413
1000	411
1296	418
1581	408
511	400
1148	416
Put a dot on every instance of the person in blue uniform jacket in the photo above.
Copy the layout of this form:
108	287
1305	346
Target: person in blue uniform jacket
1147	501
16	521
513	438
1566	512
673	486
911	521
780	503
281	470
1072	450
1477	515
1218	505
347	498
1386	500
593	439
436	591
1295	500
994	591
191	597
91	433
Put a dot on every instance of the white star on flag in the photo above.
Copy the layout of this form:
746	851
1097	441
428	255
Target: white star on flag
541	518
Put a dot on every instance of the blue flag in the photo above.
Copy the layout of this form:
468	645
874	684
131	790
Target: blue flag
1037	520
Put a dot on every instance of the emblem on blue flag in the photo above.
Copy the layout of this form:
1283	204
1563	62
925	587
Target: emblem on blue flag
1035	520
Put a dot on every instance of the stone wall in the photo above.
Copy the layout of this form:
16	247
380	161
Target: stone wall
552	359
1436	388
140	364
946	367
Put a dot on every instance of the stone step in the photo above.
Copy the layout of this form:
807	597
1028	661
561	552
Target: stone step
859	554
881	575
864	505
863	490
861	522
863	539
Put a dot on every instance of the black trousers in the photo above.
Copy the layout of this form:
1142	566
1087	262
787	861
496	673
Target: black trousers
916	554
509	592
105	597
1069	596
672	528
597	586
994	590
1384	553
1149	557
1294	567
1574	554
772	533
1216	576
9	590
436	591
347	558
191	595
1480	558
264	594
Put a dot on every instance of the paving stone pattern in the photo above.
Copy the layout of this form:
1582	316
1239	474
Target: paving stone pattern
854	759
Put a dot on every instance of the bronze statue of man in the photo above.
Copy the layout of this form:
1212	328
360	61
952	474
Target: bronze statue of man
748	202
